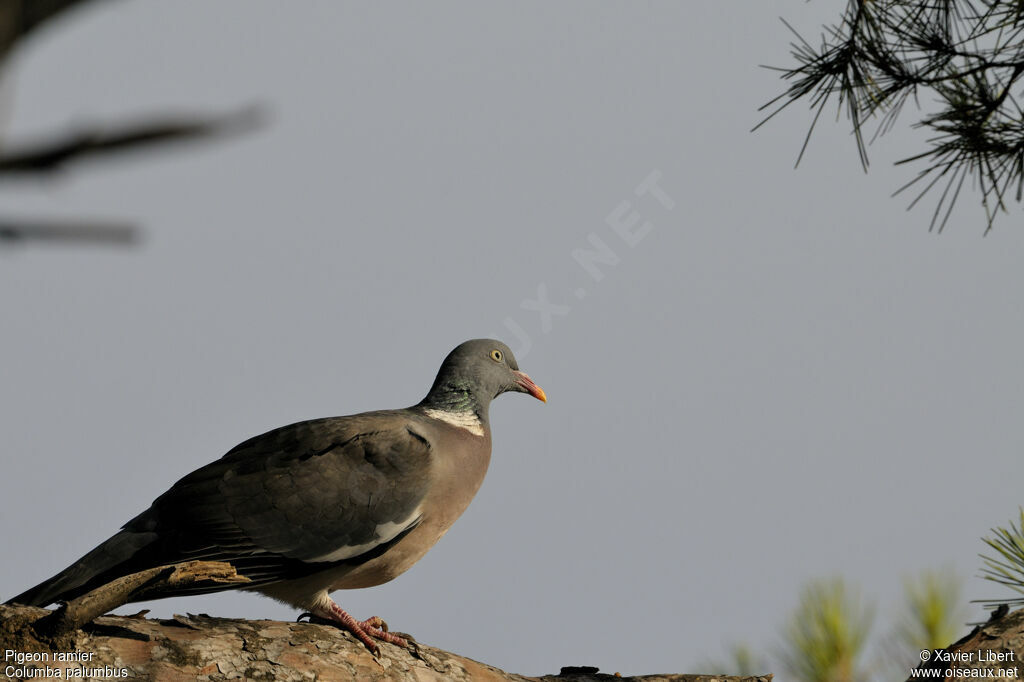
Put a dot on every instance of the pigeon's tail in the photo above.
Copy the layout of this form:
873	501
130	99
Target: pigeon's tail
106	562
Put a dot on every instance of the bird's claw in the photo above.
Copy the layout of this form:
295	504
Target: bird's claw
375	622
365	631
376	627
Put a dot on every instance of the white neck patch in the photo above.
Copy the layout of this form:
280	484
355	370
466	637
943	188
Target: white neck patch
464	420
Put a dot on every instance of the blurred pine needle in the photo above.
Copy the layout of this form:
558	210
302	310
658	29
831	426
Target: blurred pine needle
826	636
934	611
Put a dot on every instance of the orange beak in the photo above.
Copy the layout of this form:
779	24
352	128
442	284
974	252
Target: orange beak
526	383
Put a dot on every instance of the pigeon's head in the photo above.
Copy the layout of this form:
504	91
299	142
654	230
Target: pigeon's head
478	371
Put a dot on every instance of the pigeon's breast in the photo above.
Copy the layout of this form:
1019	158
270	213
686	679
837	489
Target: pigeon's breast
456	475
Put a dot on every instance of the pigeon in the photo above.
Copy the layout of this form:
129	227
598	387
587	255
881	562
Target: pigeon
322	505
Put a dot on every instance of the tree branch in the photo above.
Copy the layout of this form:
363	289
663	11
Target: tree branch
996	646
191	647
13	230
18	18
52	154
152	583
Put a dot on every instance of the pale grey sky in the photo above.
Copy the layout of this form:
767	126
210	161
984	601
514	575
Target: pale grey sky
786	378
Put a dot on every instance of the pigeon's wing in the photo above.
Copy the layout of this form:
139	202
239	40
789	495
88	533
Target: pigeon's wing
299	497
289	503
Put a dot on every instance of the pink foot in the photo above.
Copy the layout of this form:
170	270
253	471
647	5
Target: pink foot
364	630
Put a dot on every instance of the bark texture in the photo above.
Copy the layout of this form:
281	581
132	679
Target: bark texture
149	584
188	648
994	650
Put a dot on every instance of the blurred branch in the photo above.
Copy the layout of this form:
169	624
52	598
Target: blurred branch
50	155
18	18
15	230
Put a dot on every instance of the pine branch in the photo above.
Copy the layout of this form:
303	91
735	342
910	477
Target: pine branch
969	54
1006	567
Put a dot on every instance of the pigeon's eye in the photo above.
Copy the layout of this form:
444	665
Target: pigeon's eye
496	355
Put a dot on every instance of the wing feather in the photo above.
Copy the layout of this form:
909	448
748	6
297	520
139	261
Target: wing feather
319	491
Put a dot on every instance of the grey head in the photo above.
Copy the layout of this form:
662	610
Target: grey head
474	374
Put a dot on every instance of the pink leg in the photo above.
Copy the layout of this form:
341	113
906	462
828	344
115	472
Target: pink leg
363	630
